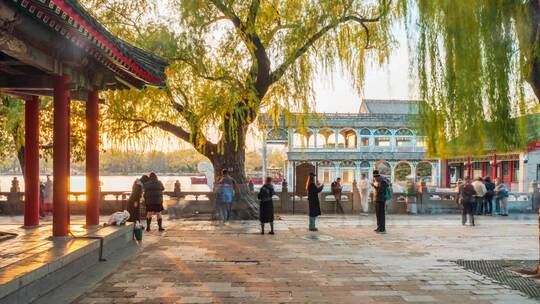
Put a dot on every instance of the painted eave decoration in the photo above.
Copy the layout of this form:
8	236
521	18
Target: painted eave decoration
71	20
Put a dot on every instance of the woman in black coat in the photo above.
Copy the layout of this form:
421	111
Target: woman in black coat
266	210
134	200
313	189
153	200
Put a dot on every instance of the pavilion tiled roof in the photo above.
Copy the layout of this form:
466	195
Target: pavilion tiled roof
389	106
146	60
72	21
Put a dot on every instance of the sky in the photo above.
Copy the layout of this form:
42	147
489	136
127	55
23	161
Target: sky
391	81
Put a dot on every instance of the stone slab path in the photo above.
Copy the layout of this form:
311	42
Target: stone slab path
345	262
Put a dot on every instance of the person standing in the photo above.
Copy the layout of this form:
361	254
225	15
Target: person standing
134	200
48	195
225	191
364	189
313	190
266	210
481	190
337	189
177	191
410	196
490	193
467	196
41	199
251	186
153	199
380	188
502	195
15	188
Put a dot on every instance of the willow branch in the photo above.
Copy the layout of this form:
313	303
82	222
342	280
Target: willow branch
201	73
278	73
253	12
173	129
261	62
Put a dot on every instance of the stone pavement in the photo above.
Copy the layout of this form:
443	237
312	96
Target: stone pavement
345	262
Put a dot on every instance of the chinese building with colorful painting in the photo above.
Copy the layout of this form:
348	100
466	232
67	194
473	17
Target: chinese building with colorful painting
382	136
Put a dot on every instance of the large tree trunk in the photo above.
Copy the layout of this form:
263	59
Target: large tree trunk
232	157
534	70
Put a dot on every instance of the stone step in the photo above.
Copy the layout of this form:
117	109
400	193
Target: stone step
25	280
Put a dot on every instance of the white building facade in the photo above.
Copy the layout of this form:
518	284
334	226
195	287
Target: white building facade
383	137
349	145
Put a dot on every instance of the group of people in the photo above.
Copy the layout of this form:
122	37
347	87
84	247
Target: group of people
225	189
147	190
381	193
482	197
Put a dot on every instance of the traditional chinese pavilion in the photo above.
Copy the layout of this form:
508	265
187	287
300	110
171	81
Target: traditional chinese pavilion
55	48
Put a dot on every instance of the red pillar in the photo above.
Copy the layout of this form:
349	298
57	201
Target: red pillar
445	174
511	171
92	159
483	169
60	157
31	162
447	184
68	163
469	172
494	167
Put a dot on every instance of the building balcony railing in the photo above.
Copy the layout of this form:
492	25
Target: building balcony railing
333	148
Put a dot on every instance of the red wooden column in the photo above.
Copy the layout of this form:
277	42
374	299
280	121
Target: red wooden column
68	163
511	171
483	169
60	157
469	167
92	159
494	167
31	162
447	175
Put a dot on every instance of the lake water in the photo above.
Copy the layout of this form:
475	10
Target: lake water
110	183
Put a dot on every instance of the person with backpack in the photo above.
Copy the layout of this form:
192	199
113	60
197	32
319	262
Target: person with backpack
488	198
381	193
266	210
467	196
225	191
502	196
337	189
313	190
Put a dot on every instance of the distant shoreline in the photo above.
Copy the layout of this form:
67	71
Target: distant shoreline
117	174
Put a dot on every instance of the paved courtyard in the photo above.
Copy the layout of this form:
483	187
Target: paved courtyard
345	262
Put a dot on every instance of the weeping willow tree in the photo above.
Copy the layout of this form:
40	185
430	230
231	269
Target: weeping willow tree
229	60
12	129
473	60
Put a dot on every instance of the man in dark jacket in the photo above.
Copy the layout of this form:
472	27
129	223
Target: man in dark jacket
380	187
153	199
337	189
313	189
488	198
134	200
468	198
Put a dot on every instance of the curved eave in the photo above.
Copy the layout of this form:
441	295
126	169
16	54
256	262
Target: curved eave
126	61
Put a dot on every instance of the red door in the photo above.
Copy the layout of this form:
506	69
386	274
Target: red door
302	173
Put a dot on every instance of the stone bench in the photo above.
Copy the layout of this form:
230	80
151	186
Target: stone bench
48	263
